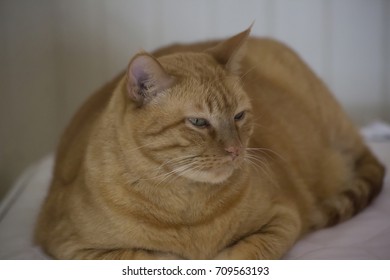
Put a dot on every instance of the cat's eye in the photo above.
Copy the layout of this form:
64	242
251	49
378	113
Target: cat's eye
198	122
239	116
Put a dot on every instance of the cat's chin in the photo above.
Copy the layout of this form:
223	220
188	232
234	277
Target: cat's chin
211	176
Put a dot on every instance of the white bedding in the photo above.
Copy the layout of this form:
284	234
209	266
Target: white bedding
366	236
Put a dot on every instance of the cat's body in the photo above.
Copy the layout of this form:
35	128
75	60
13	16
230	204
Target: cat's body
183	159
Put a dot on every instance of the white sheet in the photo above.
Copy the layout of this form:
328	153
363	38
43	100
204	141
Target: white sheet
366	236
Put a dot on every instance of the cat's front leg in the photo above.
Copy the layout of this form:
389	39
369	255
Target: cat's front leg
124	254
272	241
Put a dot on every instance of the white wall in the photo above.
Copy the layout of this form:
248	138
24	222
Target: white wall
53	53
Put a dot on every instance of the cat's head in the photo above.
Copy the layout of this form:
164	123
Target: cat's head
189	113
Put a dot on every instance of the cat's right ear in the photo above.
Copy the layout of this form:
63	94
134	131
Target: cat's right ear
146	78
231	51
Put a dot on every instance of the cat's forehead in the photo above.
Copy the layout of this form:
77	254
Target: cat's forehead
215	97
205	85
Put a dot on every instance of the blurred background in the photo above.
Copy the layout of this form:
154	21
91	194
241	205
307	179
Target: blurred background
54	53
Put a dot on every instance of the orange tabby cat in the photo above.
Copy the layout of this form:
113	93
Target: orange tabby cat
218	150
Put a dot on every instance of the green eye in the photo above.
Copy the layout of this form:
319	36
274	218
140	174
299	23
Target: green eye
239	116
199	122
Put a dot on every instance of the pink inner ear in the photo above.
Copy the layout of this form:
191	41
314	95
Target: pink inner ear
139	69
146	78
137	74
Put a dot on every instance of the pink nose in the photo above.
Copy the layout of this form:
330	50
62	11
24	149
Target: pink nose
234	151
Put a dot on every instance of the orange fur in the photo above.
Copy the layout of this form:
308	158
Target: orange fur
161	163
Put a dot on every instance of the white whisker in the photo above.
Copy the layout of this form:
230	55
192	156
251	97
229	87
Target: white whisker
175	164
179	171
247	72
264	150
262	165
140	147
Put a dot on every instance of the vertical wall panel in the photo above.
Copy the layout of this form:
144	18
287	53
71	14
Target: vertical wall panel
358	56
184	20
28	126
128	26
301	25
234	16
80	47
385	114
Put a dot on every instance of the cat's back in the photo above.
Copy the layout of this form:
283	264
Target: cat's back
269	61
279	81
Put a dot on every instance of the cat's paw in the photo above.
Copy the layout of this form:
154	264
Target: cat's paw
225	254
167	256
236	252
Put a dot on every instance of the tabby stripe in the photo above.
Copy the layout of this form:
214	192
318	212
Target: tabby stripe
220	101
144	152
225	102
333	217
165	128
355	199
209	103
168	147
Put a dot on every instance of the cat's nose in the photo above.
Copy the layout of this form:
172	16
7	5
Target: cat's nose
234	151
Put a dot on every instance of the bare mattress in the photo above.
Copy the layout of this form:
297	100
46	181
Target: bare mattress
365	236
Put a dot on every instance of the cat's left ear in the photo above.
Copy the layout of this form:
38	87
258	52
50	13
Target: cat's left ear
146	78
231	51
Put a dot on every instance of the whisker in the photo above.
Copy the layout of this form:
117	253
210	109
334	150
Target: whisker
140	147
177	171
257	167
266	150
179	160
166	176
247	72
262	163
194	168
263	154
175	162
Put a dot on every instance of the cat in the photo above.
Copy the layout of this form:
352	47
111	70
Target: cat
230	149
